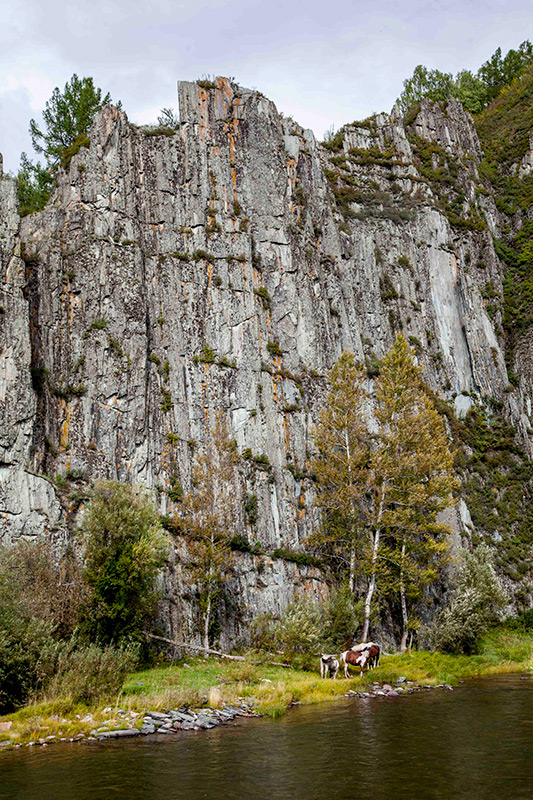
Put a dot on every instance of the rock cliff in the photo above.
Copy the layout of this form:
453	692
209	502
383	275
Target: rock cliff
225	266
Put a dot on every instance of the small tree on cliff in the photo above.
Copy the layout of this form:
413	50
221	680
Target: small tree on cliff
208	519
412	481
67	116
343	445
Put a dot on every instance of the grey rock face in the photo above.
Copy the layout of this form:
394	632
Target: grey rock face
171	277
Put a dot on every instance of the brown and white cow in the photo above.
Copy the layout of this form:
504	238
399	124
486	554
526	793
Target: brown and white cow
360	658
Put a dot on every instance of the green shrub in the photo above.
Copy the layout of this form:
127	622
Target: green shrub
82	140
296	557
39	601
300	631
474	605
125	548
92	674
175	493
343	616
166	402
262	293
27	654
274	349
306	628
206	356
250	508
241	544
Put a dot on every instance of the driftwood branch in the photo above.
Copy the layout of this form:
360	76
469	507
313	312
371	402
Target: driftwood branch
211	652
195	647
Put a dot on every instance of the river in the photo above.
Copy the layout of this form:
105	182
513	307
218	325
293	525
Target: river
475	742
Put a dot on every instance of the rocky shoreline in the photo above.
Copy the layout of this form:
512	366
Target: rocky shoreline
402	686
124	724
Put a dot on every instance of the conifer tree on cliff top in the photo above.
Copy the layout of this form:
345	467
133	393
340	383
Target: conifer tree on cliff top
67	116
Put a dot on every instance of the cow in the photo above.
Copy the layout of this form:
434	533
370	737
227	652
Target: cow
358	648
328	664
370	656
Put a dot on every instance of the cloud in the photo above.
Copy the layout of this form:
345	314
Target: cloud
15	112
322	65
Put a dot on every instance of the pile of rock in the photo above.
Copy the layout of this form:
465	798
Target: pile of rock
403	686
184	719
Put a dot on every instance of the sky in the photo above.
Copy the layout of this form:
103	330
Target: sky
323	65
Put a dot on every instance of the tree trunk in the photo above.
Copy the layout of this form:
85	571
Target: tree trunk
207	620
403	602
352	568
371	586
372	583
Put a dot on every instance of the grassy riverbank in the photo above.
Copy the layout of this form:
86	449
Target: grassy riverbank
270	689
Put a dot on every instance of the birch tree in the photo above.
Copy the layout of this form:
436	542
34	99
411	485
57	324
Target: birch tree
208	520
382	483
341	438
412	480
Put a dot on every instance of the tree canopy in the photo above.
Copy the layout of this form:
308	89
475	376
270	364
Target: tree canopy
474	90
383	479
207	517
67	116
125	548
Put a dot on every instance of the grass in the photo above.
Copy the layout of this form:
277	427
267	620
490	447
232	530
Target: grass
272	689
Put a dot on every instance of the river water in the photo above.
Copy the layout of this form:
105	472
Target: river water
475	742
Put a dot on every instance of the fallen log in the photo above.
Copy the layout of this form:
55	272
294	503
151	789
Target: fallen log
195	647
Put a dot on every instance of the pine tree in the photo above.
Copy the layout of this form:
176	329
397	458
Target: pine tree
208	520
342	441
67	116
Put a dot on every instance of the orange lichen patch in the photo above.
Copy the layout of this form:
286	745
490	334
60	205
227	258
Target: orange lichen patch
64	434
225	87
291	172
454	265
275	390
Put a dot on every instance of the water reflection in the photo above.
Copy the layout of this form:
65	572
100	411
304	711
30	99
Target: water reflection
475	743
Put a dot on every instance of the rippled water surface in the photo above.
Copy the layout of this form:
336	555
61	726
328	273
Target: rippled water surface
475	743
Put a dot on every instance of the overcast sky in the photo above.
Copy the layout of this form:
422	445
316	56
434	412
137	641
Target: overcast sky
323	63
